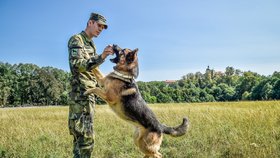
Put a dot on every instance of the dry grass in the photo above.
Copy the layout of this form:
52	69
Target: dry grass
237	129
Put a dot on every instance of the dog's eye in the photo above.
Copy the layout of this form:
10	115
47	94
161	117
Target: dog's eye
129	58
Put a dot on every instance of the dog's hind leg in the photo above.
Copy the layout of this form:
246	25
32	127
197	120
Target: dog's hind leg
153	141
149	143
153	156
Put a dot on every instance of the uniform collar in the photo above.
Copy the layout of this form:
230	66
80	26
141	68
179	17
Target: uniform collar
83	33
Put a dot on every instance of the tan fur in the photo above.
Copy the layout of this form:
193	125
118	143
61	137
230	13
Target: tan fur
112	92
99	76
148	142
128	91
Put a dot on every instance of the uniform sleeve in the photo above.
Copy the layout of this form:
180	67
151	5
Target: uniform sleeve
77	58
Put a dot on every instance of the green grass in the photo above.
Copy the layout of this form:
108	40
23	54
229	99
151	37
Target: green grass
237	129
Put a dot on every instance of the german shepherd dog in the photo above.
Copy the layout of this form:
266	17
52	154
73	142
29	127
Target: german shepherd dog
120	91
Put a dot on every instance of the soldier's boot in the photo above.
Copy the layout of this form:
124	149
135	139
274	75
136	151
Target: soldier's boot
76	154
76	151
86	153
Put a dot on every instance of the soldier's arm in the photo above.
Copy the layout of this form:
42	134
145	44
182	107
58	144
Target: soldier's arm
77	58
99	59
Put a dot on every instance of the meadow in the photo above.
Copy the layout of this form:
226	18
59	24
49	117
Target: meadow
228	129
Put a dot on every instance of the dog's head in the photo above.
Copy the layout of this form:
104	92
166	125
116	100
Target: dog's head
126	61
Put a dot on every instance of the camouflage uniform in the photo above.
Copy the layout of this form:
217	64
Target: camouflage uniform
82	59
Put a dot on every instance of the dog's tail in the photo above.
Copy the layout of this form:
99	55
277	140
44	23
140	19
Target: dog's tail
177	131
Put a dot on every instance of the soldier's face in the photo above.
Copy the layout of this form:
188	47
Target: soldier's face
95	28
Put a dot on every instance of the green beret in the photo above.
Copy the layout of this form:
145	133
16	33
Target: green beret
99	19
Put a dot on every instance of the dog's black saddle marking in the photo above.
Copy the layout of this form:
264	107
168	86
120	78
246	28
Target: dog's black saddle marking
137	110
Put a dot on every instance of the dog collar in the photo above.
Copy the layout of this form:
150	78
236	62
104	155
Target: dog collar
123	75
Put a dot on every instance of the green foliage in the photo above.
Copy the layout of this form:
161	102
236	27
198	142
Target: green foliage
28	84
276	90
233	85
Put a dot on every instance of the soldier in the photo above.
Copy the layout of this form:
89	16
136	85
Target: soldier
82	59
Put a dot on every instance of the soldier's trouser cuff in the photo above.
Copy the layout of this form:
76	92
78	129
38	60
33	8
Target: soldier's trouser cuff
86	151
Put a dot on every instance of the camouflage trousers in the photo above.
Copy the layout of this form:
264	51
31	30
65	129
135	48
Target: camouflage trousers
81	127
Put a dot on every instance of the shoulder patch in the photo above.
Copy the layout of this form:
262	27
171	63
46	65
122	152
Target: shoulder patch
75	52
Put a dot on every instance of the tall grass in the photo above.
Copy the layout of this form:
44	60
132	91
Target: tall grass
237	129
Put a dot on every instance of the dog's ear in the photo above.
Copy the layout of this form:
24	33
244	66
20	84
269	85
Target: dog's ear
135	70
135	50
131	56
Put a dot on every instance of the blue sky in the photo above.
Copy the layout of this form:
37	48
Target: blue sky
174	37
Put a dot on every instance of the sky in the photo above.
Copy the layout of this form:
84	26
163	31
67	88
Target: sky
174	38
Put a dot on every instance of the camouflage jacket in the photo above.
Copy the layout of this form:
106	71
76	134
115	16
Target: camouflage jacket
82	59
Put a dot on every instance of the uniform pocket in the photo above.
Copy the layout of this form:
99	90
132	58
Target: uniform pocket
81	124
74	123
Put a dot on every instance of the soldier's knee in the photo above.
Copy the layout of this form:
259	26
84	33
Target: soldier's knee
86	143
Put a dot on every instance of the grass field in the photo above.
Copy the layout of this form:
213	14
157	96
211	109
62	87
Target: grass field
237	129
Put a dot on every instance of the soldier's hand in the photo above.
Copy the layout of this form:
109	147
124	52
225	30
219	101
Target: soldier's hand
107	51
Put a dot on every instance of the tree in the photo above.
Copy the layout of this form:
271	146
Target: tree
266	91
245	96
205	97
148	98
246	83
276	74
229	71
223	92
230	76
163	98
5	78
262	91
276	90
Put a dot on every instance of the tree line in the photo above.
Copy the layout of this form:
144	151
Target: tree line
31	85
210	86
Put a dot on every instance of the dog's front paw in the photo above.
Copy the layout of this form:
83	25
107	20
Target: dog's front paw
129	91
89	91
